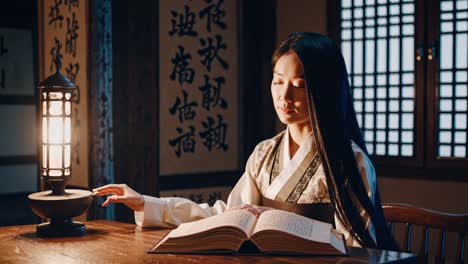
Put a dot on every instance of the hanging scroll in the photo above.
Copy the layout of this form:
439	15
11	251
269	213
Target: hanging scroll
199	107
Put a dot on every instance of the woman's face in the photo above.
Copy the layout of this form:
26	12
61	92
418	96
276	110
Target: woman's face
288	89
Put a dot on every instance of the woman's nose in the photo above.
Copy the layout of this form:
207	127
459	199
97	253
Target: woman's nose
286	91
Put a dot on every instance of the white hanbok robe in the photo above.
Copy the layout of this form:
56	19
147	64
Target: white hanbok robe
255	182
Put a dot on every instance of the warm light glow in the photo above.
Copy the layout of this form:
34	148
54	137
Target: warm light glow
67	108
56	151
44	129
55	161
67	130
55	108
67	156
56	134
56	130
55	173
56	96
44	156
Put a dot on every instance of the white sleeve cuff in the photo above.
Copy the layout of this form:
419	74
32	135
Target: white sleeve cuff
173	211
153	213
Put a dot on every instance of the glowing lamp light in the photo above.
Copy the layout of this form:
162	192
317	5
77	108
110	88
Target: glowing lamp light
56	133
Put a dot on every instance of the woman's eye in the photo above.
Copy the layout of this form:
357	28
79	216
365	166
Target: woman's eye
299	85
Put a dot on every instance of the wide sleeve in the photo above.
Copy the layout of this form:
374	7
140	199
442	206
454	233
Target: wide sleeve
173	211
367	171
247	191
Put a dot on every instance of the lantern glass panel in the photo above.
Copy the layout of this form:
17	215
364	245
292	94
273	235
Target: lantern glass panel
44	130
67	130
44	96
56	130
44	108
55	96
55	173
67	156
44	156
55	108
67	108
67	96
55	154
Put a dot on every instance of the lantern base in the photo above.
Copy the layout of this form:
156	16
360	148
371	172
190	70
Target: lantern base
60	228
60	209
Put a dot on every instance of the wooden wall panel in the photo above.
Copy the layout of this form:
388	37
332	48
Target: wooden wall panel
135	97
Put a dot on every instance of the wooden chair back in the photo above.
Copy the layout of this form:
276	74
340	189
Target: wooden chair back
411	215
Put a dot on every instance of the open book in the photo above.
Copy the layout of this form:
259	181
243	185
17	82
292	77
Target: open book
274	232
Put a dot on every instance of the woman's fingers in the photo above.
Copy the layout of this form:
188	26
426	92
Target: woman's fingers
105	203
245	206
114	199
108	190
119	186
253	211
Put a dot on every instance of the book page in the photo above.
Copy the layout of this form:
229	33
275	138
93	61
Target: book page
238	218
294	224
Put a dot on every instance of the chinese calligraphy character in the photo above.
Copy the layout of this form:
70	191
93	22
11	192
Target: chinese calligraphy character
213	197
3	50
214	136
71	3
180	62
72	71
185	25
185	109
210	52
213	14
54	14
185	142
71	35
212	93
56	56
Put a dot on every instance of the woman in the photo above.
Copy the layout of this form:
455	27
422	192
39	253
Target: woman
319	160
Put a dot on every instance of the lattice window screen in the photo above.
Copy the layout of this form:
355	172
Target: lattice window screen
452	81
377	41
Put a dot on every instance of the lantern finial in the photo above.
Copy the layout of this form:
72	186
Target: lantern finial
57	56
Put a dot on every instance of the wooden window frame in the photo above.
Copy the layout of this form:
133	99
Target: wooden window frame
24	20
424	164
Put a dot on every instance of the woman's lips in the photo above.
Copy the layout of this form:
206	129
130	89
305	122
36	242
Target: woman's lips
286	110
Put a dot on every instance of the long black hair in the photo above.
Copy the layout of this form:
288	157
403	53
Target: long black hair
334	124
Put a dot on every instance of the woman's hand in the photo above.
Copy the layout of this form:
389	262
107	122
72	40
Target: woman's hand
121	193
254	209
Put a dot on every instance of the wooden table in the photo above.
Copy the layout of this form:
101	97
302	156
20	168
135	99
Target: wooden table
116	242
